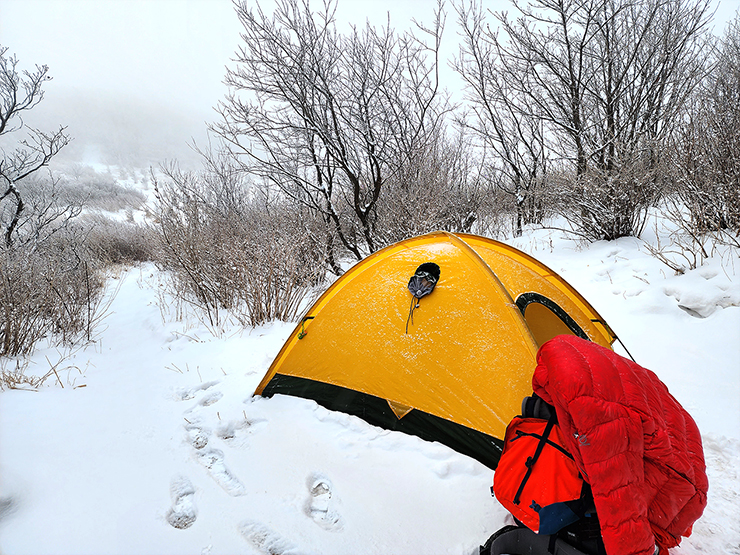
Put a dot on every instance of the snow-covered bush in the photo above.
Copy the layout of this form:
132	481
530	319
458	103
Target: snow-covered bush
605	205
441	188
706	149
44	290
228	248
700	213
100	191
112	241
53	268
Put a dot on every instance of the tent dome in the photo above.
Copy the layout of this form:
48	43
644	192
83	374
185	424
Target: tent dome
452	366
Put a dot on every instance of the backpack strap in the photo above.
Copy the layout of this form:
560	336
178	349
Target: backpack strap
530	462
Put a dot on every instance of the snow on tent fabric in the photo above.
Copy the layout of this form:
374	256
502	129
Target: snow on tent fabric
457	375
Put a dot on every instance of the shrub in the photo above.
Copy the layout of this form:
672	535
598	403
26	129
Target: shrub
117	242
46	290
706	149
52	271
440	188
99	191
230	249
601	205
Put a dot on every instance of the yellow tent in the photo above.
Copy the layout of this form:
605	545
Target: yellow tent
452	366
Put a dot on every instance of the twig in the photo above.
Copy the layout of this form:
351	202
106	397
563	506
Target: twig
53	369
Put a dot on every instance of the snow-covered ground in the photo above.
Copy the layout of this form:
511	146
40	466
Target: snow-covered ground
155	445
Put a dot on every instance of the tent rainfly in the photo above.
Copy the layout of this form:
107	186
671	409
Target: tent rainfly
451	366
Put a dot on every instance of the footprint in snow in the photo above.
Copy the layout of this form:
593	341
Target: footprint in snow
210	398
264	539
184	394
234	433
183	512
213	460
197	436
8	505
320	506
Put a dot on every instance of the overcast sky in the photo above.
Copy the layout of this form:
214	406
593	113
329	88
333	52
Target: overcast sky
158	63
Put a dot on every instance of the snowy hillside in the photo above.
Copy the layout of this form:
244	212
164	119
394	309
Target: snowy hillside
148	441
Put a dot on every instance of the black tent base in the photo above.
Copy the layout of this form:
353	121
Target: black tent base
375	410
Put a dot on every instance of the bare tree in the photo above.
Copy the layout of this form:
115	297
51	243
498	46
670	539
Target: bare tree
707	148
607	79
49	286
21	91
330	118
442	188
502	118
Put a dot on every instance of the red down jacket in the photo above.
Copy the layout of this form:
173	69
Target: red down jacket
633	442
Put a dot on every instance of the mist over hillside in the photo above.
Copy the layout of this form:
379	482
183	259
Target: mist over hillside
122	130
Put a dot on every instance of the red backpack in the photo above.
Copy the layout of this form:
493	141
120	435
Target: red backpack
536	479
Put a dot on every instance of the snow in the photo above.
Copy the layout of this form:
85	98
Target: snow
155	445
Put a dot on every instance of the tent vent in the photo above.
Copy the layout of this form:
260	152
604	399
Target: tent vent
420	285
423	281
